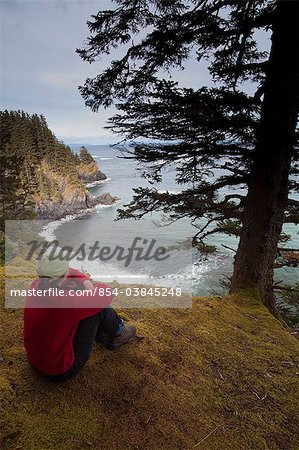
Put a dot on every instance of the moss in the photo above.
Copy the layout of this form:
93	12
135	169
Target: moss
224	371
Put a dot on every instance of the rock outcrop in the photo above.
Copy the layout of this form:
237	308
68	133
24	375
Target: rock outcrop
41	176
107	199
90	173
60	194
88	169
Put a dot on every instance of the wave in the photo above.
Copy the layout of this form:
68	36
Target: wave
102	158
166	191
48	230
100	206
157	163
96	183
108	272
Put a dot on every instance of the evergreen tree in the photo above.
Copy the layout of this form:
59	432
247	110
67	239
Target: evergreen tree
219	139
27	144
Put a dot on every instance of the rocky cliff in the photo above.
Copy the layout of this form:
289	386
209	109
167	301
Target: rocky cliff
40	176
88	170
59	194
90	173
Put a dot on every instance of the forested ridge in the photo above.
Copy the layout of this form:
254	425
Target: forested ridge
38	172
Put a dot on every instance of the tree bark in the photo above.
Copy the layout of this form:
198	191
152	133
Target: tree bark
268	186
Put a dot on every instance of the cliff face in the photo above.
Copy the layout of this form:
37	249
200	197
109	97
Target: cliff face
90	173
87	168
59	194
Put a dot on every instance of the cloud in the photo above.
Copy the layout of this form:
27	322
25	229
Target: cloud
41	70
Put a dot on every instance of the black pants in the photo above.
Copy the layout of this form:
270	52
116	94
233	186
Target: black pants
99	327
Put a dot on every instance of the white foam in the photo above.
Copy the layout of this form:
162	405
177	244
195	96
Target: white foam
48	230
100	157
169	192
99	270
101	206
184	279
95	183
157	163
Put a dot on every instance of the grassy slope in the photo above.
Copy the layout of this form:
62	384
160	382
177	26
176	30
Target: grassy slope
222	375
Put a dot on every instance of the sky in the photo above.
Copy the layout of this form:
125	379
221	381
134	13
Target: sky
40	70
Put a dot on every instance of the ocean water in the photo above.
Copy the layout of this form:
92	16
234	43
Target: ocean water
203	276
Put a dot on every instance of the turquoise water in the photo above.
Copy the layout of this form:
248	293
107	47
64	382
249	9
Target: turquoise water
207	276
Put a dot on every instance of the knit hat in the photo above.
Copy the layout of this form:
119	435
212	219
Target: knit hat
52	268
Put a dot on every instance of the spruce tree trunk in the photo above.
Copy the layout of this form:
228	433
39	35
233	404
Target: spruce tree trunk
268	186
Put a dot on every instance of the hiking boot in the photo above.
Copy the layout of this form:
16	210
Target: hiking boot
126	336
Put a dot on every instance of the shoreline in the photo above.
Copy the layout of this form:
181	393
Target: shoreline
47	231
96	183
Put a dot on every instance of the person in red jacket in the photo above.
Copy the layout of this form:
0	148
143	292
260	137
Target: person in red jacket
60	326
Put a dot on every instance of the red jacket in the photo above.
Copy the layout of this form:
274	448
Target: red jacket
50	323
